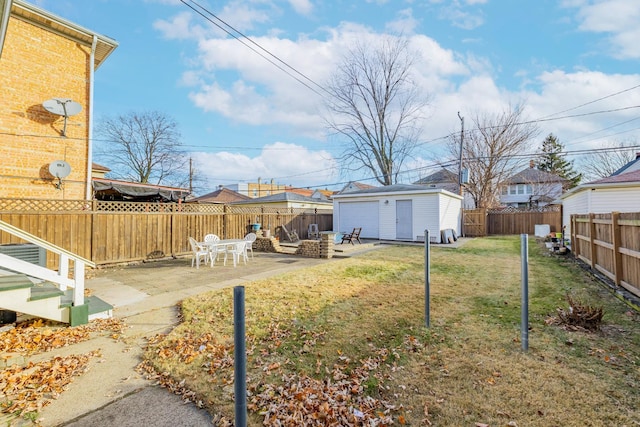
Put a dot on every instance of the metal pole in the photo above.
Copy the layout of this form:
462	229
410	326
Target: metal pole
460	156
427	279
524	321
240	357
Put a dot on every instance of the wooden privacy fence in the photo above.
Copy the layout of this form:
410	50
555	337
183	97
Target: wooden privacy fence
610	243
116	232
508	221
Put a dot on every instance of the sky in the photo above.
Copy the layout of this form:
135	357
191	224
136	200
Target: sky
573	64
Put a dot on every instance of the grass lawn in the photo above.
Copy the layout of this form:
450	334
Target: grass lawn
345	343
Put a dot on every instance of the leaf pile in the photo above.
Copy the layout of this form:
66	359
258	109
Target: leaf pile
37	336
580	315
339	395
28	388
338	400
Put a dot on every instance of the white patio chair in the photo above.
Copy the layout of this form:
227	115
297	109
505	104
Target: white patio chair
199	253
215	250
250	238
236	250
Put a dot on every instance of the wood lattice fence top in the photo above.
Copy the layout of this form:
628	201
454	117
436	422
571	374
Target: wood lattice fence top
511	209
45	205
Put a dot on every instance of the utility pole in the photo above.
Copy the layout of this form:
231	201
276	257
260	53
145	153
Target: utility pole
191	175
460	157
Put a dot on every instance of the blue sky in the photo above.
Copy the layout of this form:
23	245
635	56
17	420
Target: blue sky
242	118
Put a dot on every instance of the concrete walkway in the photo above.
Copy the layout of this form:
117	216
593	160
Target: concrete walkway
112	393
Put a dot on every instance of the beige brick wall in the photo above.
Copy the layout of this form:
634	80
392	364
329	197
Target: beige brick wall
37	65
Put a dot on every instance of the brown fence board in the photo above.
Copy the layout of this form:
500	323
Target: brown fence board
610	243
114	232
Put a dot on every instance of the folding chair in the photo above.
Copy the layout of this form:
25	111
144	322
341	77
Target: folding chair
293	236
354	235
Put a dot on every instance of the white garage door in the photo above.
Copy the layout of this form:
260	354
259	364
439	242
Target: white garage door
360	214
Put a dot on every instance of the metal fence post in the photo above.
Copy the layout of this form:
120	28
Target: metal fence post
427	279
524	321
240	358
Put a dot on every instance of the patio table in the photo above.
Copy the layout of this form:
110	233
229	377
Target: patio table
219	246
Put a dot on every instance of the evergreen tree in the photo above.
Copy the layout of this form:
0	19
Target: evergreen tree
553	161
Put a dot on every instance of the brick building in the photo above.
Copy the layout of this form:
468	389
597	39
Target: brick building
44	56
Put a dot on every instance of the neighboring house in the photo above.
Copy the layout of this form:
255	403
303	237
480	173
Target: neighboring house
531	188
355	186
447	180
616	193
633	165
314	194
44	58
398	212
257	189
288	200
222	196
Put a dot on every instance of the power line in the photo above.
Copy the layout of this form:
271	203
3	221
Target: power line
208	12
591	102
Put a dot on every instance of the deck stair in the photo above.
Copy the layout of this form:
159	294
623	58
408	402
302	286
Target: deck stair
37	291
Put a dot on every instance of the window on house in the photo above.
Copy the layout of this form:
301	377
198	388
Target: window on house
520	188
255	193
505	190
512	189
529	189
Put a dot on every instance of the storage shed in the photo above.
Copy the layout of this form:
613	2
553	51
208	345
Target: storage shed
398	212
617	193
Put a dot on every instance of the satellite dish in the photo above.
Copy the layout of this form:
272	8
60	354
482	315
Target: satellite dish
62	107
60	169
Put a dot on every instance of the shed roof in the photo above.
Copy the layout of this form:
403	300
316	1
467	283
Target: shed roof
396	188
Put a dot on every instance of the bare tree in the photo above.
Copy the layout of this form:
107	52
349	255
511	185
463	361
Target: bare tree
492	152
144	147
604	162
376	106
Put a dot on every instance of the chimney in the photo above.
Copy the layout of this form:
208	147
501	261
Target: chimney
531	164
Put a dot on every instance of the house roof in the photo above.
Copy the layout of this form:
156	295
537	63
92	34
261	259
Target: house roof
308	192
442	176
531	175
629	177
625	180
33	14
137	191
100	168
632	165
355	186
222	195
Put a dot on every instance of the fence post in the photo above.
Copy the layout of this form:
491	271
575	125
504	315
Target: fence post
524	320
617	256
427	279
592	240
240	358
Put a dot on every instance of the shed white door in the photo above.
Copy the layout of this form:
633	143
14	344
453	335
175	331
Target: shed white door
404	220
360	214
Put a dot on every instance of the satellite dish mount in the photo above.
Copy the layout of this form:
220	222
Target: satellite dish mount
62	107
60	169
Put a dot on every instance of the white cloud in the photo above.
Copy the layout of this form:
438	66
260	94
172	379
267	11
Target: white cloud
285	163
405	23
461	16
303	7
618	18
